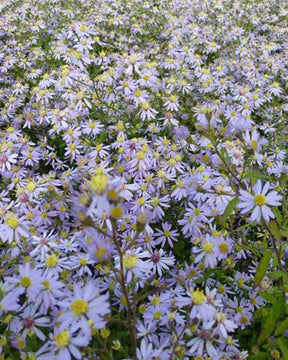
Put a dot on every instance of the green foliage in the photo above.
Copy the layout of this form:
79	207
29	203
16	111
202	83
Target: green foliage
262	267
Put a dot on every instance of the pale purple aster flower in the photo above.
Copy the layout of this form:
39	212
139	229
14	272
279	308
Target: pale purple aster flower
159	262
13	228
85	304
28	281
203	344
51	292
65	344
28	322
146	352
224	325
166	235
133	263
259	201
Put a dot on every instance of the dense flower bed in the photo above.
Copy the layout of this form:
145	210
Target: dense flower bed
143	179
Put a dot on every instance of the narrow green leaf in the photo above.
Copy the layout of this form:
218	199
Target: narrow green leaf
284	233
283	326
278	215
276	274
250	224
255	176
260	356
268	297
229	208
274	228
283	346
269	322
262	267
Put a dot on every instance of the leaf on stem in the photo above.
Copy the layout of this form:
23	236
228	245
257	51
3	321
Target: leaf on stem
262	267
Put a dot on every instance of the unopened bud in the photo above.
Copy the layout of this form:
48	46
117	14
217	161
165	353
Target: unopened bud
141	221
116	345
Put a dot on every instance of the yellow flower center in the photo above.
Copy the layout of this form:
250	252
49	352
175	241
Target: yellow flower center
12	221
145	106
31	186
52	261
140	155
156	300
254	144
100	252
221	289
83	261
62	339
99	183
155	201
157	315
224	248
208	247
46	283
79	307
260	199
130	261
166	233
116	212
25	281
141	201
198	297
243	320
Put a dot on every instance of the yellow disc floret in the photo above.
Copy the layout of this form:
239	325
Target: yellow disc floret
12	221
208	247
79	307
260	199
130	261
198	297
99	183
224	248
25	281
62	339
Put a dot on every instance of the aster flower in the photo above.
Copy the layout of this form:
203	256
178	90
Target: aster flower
65	344
13	227
159	262
166	235
259	201
29	321
28	281
85	304
203	344
134	263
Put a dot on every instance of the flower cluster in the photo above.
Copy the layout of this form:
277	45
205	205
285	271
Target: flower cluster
143	179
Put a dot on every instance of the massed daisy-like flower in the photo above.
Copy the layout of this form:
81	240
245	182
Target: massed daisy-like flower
85	306
259	201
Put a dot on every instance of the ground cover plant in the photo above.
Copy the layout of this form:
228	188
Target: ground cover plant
143	179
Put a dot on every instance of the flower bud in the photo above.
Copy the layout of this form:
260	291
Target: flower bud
141	221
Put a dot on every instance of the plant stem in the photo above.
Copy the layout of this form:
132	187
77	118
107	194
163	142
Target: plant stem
131	311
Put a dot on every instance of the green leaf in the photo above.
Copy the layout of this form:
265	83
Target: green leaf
284	233
260	356
276	274
250	224
269	322
274	228
283	346
268	297
255	176
229	208
278	215
262	267
283	326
